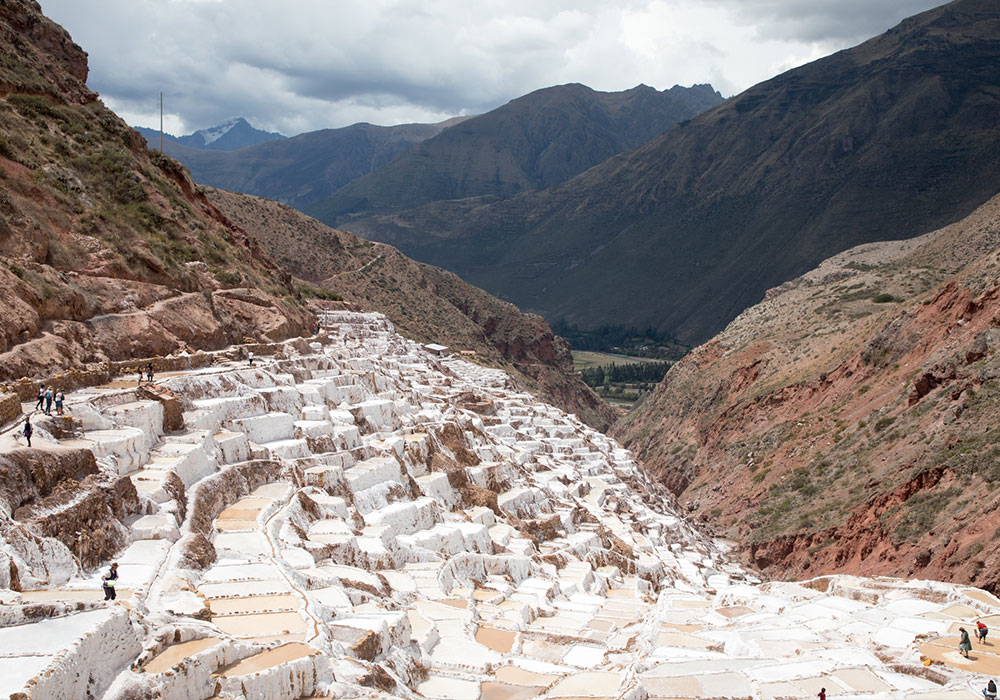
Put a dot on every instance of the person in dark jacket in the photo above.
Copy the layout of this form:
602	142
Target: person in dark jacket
149	373
28	430
48	401
108	582
990	691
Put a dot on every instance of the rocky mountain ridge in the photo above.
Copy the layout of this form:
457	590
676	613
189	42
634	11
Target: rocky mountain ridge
847	422
893	138
303	169
539	140
233	135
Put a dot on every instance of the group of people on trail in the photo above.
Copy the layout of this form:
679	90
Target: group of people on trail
149	374
47	395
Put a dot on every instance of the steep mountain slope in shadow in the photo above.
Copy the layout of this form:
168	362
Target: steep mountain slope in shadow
538	140
425	303
848	422
306	168
893	138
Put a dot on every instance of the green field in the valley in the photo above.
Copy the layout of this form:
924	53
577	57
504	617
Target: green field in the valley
585	359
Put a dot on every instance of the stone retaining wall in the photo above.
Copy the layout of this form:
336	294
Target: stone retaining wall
10	408
26	389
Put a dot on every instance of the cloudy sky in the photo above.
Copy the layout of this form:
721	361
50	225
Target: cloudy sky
300	65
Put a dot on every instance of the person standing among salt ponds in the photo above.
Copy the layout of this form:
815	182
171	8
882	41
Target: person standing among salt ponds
27	430
250	357
964	643
990	691
981	631
108	582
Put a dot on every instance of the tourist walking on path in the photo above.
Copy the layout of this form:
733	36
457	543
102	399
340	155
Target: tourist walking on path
48	401
964	643
108	582
981	631
821	694
250	357
149	373
60	397
41	398
28	430
990	691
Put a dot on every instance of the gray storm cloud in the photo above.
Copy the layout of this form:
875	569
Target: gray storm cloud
308	64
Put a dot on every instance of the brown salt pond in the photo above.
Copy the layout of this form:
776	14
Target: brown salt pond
734	611
175	653
490	690
235	525
269	659
515	675
946	651
263	625
601	625
255	604
459	603
981	596
680	639
673	686
962	612
590	684
496	639
861	680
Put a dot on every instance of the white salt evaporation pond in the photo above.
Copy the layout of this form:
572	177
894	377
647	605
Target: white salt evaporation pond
356	517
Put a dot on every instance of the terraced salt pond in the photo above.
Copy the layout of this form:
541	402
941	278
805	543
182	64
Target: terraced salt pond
358	518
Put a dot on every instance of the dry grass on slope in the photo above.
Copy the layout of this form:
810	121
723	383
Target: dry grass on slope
848	421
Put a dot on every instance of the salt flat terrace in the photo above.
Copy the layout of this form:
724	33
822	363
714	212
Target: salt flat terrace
355	516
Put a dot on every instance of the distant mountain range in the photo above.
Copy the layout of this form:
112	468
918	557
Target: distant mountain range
536	141
233	135
304	169
893	138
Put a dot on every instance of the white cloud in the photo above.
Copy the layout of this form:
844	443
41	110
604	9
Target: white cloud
309	64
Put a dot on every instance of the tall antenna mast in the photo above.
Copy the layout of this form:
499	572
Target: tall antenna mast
161	123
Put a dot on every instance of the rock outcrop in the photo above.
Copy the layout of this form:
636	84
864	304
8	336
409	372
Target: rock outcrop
846	423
